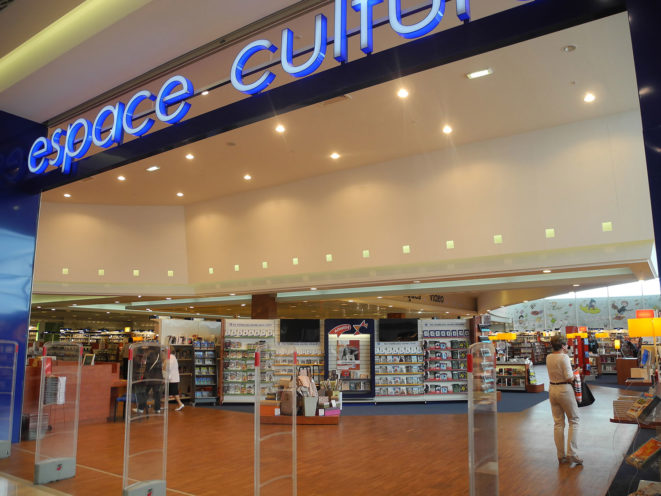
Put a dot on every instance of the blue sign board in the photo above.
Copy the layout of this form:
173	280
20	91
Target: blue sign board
65	146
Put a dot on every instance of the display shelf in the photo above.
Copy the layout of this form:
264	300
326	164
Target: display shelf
446	380
445	345
397	373
399	363
205	368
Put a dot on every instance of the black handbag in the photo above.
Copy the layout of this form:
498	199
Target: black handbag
588	397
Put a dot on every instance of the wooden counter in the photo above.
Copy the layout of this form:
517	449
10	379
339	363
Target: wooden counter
96	383
624	366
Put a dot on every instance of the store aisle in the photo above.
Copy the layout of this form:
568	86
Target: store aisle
210	453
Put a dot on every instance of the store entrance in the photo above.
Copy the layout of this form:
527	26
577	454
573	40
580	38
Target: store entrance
446	193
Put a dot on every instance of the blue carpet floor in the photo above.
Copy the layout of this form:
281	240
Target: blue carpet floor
610	380
510	402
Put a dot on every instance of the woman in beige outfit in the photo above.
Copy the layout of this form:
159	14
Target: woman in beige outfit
563	401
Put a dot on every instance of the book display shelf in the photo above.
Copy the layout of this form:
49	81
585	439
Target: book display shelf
349	353
445	344
511	376
241	339
205	372
399	370
307	355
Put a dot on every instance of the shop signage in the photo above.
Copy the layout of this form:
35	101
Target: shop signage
365	9
65	146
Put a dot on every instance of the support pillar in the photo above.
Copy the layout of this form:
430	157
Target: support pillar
264	306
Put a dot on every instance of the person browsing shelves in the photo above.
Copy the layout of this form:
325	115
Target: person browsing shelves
563	401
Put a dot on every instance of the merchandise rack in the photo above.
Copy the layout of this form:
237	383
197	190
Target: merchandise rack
445	344
239	381
205	372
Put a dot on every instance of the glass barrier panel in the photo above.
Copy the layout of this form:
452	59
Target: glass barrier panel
8	355
276	409
482	420
146	420
57	415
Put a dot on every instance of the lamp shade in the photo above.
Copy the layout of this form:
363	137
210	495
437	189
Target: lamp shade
601	335
641	328
616	344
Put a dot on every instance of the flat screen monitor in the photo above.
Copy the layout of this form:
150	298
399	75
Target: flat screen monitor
398	330
300	331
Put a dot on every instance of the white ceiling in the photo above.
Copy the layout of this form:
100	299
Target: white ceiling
535	85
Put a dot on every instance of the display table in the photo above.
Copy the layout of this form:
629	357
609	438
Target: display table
624	366
300	420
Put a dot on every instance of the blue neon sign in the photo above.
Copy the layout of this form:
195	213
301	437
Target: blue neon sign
170	105
366	10
66	146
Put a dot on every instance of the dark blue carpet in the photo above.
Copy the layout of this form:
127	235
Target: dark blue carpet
610	380
627	478
510	402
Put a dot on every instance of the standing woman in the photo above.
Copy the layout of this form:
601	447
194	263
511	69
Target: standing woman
173	377
563	401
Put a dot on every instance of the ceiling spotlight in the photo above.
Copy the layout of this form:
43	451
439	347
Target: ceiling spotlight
247	177
546	271
280	128
180	194
121	178
205	93
479	74
402	93
232	294
334	155
67	195
153	168
313	289
447	129
190	156
589	98
576	285
568	48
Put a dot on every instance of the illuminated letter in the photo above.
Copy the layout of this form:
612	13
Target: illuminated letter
340	40
116	131
240	63
317	57
166	99
130	110
70	153
56	140
463	10
365	9
418	29
41	148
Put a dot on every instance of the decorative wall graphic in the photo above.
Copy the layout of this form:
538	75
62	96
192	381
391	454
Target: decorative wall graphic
597	312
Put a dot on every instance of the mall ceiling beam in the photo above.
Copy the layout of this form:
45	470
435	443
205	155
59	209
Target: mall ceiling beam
496	31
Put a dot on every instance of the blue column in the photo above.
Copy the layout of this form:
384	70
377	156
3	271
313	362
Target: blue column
644	22
19	213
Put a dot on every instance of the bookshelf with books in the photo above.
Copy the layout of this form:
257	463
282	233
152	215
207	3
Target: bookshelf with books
533	350
399	371
307	355
511	376
205	372
445	345
242	337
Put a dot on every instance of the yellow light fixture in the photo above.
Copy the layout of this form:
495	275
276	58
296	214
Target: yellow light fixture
641	328
616	344
602	335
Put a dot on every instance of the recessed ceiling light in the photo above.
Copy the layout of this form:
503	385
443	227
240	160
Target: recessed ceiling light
416	282
379	297
280	128
568	48
334	155
153	168
525	301
121	178
247	177
576	285
168	298
402	93
589	97
479	74
547	271
243	304
313	289
190	156
232	294
205	93
180	194
67	195
447	129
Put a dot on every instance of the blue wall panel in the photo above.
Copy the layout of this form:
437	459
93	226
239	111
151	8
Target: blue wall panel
19	213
